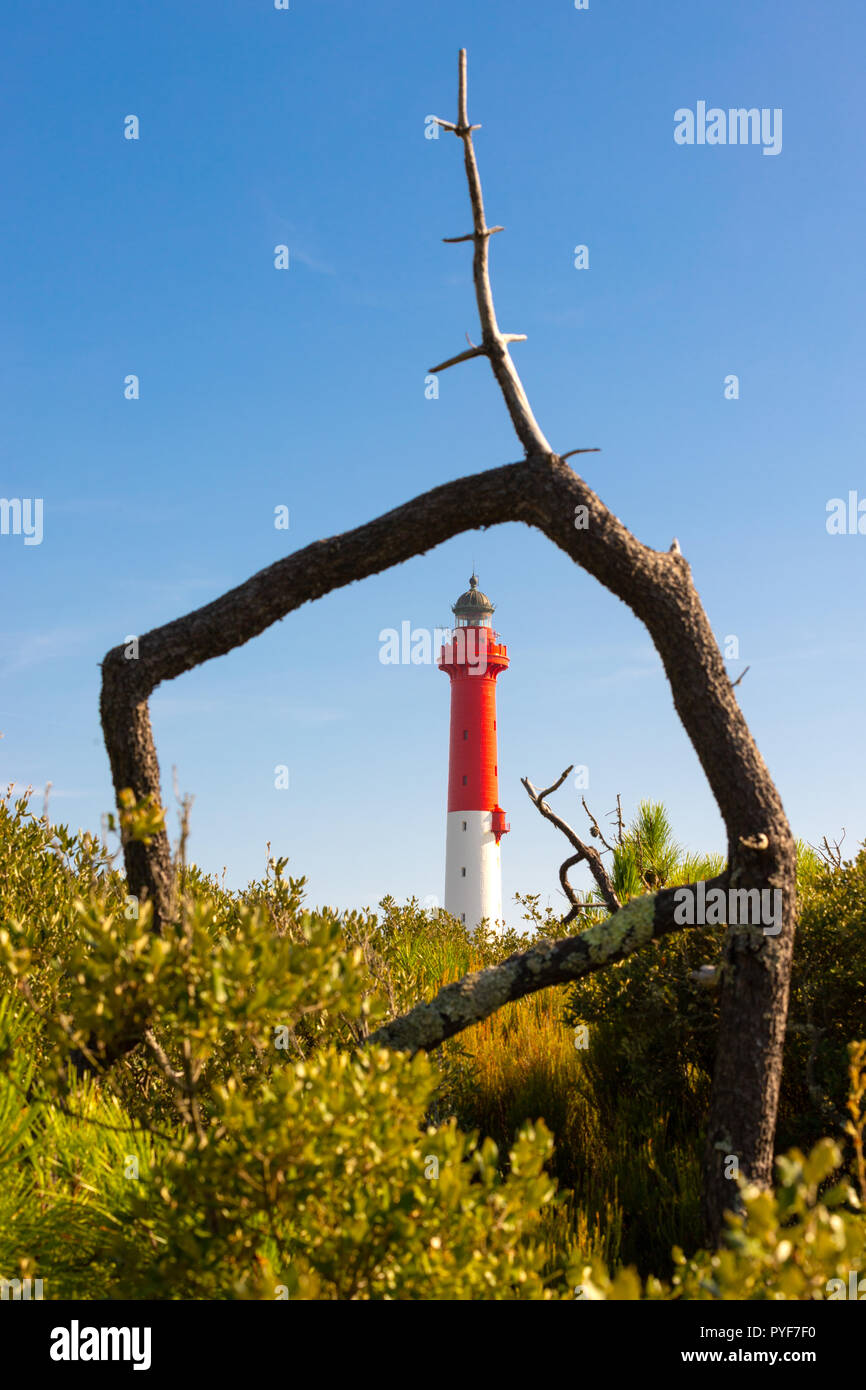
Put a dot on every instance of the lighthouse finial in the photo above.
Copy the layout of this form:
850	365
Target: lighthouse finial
472	603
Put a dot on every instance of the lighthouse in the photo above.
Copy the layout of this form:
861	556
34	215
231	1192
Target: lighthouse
473	659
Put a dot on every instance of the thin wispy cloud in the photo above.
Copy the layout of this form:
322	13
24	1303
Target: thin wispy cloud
625	673
40	789
304	716
311	262
295	240
174	591
22	652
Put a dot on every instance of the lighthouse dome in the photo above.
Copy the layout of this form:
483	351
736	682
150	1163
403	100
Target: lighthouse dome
473	605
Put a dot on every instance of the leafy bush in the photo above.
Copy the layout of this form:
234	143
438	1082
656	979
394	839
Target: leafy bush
628	1112
805	1240
244	1147
653	1027
197	1114
828	994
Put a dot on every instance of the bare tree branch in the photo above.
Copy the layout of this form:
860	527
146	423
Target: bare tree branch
470	236
461	357
831	853
595	825
176	1078
584	852
495	342
477	996
577	904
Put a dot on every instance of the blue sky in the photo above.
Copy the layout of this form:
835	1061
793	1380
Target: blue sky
305	388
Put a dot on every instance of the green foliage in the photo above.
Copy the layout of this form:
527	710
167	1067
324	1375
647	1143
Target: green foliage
138	820
653	1026
805	1240
44	871
649	858
617	1155
790	1243
628	1112
245	1146
325	1182
196	1114
652	1030
828	990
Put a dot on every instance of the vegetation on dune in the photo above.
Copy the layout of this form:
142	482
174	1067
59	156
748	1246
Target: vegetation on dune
252	1145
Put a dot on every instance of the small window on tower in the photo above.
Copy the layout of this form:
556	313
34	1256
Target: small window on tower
494	723
464	825
463	873
465	779
496	769
465	733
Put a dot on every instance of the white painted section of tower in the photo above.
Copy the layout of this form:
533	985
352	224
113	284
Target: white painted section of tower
473	869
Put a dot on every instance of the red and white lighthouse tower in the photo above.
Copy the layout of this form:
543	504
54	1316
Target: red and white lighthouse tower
473	659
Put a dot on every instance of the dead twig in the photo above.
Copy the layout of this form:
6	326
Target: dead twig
585	853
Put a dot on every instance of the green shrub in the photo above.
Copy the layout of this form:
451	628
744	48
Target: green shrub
245	1146
805	1240
196	1115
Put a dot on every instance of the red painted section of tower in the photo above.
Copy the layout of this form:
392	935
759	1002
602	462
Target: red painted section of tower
473	660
